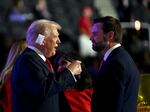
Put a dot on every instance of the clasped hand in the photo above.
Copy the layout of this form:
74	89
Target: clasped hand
75	67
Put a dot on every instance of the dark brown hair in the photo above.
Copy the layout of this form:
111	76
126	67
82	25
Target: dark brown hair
111	24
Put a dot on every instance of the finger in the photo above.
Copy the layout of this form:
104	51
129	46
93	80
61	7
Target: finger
77	61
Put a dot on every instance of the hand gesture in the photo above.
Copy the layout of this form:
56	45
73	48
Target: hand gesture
75	67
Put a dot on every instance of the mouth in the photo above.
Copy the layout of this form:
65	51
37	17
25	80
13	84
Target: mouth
56	46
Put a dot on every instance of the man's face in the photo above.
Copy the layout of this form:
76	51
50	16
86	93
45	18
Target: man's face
51	43
99	41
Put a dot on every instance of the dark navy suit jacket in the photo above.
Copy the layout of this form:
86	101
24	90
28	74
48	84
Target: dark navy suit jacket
116	87
34	87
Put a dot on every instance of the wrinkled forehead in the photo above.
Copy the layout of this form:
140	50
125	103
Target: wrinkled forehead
55	29
55	32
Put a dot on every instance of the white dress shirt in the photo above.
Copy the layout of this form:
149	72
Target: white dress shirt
110	50
43	57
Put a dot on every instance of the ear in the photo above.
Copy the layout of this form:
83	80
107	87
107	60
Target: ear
40	39
111	35
44	41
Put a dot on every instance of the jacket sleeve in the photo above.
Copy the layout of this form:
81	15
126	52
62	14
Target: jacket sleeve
35	80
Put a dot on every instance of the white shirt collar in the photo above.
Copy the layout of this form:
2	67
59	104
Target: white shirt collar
110	50
38	52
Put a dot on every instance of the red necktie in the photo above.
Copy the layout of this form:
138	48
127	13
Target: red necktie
50	65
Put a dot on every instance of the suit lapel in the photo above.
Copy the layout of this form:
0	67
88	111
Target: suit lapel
38	59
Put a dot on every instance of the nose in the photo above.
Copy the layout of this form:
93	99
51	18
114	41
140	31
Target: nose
91	38
58	41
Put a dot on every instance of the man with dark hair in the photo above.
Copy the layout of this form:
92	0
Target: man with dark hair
117	83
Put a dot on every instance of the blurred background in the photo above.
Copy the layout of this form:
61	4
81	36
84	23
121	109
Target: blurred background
75	18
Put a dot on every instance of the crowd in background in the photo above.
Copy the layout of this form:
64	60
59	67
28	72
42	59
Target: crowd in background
16	16
75	17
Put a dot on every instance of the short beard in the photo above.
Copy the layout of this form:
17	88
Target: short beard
100	47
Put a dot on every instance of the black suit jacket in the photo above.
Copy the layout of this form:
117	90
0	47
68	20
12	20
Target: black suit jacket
117	84
34	87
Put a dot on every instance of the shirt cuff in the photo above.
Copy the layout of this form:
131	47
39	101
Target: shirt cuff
73	75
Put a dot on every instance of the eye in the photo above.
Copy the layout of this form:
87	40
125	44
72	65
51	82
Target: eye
94	33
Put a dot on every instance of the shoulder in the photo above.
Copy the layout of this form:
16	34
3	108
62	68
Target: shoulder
29	59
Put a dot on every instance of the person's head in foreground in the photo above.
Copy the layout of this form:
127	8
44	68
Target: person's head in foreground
44	35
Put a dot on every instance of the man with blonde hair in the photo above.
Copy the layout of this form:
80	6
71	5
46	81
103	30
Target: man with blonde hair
35	86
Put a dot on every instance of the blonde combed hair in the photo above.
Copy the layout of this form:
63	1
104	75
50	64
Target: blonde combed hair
14	52
42	26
